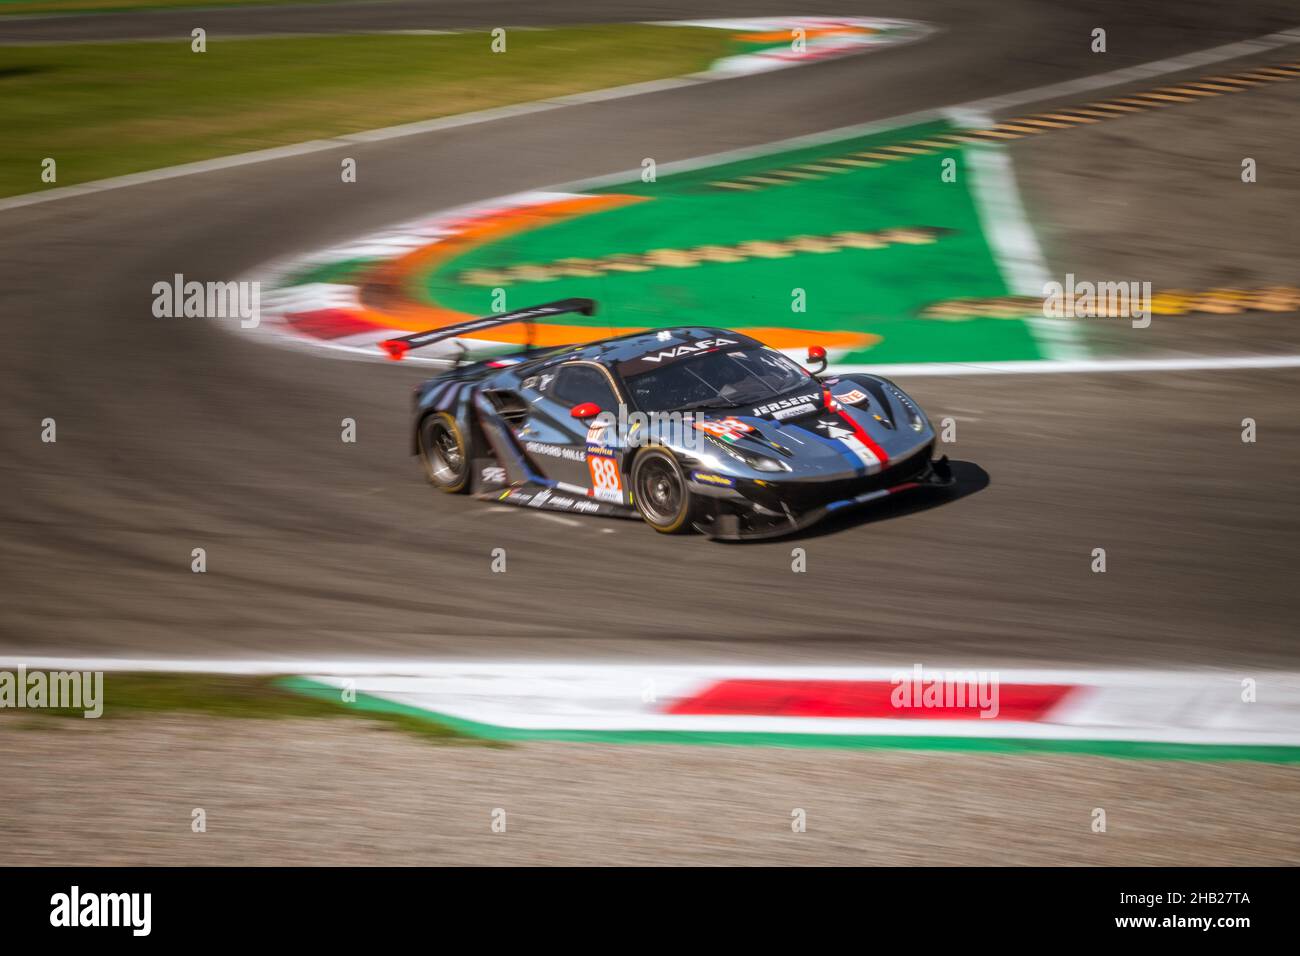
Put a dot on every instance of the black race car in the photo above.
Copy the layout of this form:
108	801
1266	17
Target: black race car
684	427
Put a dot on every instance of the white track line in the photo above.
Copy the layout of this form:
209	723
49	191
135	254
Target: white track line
992	104
377	135
1019	257
943	369
338	142
1216	54
415	667
1132	74
997	198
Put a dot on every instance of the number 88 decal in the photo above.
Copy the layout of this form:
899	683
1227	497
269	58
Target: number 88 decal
606	483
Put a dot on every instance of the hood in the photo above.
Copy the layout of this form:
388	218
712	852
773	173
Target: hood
850	427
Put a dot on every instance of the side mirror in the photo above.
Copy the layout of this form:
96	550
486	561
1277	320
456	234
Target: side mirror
585	410
817	353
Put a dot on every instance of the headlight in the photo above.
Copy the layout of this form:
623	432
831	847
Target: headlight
914	416
757	462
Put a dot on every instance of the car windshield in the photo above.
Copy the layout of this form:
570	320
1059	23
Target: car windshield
718	379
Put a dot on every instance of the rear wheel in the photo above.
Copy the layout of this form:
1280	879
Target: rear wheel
659	491
444	453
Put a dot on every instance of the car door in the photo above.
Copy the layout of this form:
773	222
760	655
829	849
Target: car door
571	458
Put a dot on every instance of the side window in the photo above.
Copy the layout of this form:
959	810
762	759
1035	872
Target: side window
575	384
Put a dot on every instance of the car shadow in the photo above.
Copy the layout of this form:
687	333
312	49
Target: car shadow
968	479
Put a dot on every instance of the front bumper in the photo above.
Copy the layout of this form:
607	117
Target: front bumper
770	511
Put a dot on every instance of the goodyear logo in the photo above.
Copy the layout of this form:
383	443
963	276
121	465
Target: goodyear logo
707	479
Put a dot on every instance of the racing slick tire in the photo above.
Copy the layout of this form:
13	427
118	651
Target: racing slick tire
445	453
659	491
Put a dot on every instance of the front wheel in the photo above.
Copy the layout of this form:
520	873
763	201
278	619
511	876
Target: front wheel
659	491
445	453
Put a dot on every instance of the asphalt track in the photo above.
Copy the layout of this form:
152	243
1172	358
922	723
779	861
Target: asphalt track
173	434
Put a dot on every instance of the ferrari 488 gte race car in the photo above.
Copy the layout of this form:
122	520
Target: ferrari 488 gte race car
688	427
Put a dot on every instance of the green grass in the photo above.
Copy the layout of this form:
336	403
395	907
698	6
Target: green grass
16	7
103	110
220	695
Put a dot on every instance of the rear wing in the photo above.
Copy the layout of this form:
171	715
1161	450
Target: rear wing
397	348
